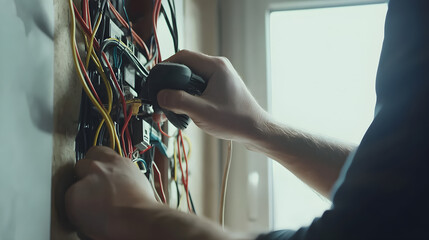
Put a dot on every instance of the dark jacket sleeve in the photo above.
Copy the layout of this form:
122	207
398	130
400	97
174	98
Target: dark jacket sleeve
383	190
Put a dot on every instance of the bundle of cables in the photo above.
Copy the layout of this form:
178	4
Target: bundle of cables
113	111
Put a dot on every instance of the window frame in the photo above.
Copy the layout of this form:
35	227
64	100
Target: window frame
244	40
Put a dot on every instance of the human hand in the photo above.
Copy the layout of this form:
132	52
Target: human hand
226	109
106	183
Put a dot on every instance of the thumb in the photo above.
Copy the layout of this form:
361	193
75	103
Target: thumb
180	102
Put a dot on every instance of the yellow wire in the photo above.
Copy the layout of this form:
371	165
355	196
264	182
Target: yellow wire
91	42
189	146
100	108
97	63
109	96
120	42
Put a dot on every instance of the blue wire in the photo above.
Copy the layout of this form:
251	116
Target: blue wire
120	60
128	21
142	161
114	57
157	142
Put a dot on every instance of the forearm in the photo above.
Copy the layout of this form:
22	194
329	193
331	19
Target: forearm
314	160
162	222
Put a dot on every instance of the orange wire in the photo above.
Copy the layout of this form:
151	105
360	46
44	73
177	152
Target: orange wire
187	170
162	132
184	177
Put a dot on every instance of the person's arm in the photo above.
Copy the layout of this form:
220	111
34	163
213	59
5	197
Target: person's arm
314	160
228	110
112	199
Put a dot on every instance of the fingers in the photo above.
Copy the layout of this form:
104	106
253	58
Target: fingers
201	64
101	153
181	102
88	164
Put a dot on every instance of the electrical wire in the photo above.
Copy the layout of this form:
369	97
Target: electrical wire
162	132
225	185
118	88
147	149
161	187
192	204
128	52
177	193
155	14
86	29
100	108
127	120
188	141
185	174
128	21
152	181
172	25
91	42
153	56
139	41
93	55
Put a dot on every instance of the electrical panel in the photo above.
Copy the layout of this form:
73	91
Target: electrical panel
114	110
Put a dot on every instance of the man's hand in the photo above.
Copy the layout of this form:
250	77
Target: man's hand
106	183
226	109
112	199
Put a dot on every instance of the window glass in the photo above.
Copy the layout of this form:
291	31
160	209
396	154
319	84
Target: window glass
323	64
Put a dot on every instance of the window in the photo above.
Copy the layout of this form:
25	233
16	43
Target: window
323	68
254	35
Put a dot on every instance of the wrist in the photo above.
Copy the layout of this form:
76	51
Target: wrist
259	131
159	222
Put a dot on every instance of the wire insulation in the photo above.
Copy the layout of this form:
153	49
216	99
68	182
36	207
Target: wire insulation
225	185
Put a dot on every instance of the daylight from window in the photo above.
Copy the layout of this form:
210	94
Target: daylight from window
323	64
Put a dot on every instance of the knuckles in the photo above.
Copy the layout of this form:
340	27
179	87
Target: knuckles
184	53
222	62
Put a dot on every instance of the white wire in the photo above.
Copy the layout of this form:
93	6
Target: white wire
225	185
152	183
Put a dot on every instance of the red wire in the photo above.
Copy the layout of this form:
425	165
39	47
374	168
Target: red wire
130	145
127	120
156	10
187	170
162	132
84	26
97	46
125	24
184	177
87	18
160	183
147	149
84	12
122	98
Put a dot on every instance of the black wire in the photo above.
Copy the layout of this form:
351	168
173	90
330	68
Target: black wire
192	203
150	62
131	57
178	193
170	28
172	25
172	6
